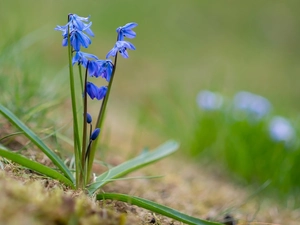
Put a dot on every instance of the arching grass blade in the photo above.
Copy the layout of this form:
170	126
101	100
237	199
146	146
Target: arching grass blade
40	168
157	208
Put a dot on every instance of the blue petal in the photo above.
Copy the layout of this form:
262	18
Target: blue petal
76	58
88	30
84	39
65	42
88	55
101	92
130	25
93	68
129	33
124	54
112	52
92	90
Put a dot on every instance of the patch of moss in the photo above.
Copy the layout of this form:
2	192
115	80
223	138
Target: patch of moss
41	201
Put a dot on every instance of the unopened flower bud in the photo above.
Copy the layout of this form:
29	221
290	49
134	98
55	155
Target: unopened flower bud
95	134
88	118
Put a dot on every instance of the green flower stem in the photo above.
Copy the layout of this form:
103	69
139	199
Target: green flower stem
74	111
81	79
84	146
100	120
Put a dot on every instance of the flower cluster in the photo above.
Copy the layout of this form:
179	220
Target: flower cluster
76	34
79	31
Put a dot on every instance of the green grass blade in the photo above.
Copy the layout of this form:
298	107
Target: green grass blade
155	207
133	164
37	141
40	168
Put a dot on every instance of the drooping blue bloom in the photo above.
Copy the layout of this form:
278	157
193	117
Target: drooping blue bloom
281	130
78	31
126	31
96	67
77	22
105	69
95	92
95	134
78	38
101	92
121	47
83	58
88	118
208	100
253	105
92	90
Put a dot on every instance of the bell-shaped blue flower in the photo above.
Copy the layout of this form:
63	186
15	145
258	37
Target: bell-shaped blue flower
105	69
77	22
95	92
121	47
78	31
78	38
92	90
82	58
126	31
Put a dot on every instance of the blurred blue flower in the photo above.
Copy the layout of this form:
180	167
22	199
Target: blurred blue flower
209	100
121	47
253	105
95	92
95	134
281	129
126	31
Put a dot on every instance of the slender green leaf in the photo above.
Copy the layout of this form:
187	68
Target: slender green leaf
40	168
133	164
37	141
155	207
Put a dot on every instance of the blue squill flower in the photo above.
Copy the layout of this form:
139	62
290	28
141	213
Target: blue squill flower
77	22
121	47
78	38
95	92
126	31
83	58
105	69
78	31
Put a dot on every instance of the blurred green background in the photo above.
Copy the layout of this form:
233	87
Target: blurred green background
182	48
224	45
